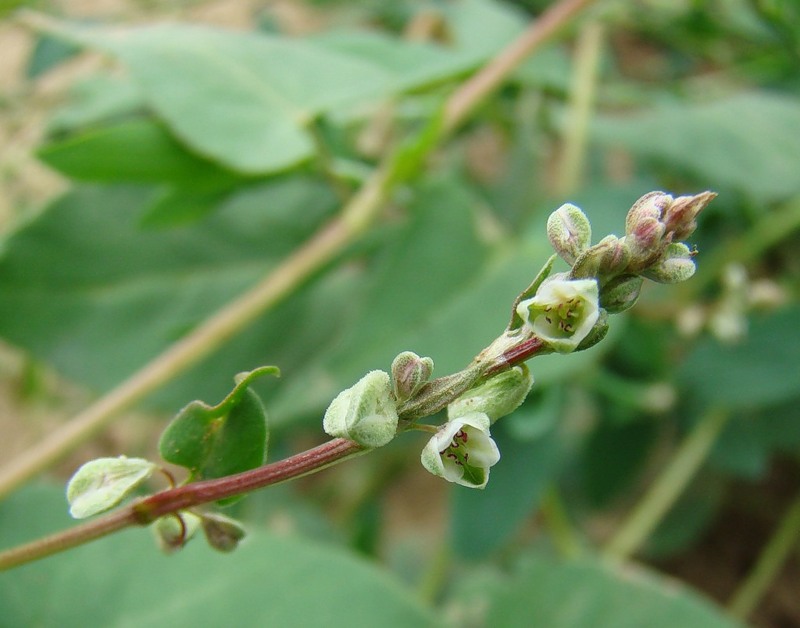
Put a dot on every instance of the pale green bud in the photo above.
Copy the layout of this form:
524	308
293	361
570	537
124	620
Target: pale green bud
496	397
462	451
409	373
222	533
596	333
620	293
365	413
175	530
563	311
607	258
569	231
675	265
103	483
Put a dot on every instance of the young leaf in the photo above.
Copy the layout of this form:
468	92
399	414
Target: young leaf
213	441
103	483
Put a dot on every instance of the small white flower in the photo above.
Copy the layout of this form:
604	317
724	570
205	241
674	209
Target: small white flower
563	311
462	451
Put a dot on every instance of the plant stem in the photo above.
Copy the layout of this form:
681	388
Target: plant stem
584	81
665	491
772	558
356	217
472	92
147	510
564	536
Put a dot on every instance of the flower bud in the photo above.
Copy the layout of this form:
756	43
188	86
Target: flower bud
607	258
648	209
563	311
679	218
175	530
364	413
620	293
497	397
569	232
222	533
409	373
596	333
675	265
462	451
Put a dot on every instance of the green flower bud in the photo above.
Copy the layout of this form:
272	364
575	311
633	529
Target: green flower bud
462	451
103	483
175	530
563	311
620	293
496	397
365	413
569	231
675	265
607	258
596	333
409	373
222	533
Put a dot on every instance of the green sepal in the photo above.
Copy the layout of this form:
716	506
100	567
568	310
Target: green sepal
544	273
215	441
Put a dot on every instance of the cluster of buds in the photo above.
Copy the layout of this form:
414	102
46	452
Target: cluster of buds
568	309
560	312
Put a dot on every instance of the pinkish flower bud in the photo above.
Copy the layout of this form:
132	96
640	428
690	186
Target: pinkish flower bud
679	218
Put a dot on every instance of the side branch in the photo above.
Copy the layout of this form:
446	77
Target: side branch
147	510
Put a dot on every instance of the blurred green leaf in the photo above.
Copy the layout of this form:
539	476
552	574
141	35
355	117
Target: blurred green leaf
753	372
124	580
584	593
87	291
214	441
99	100
135	150
612	457
738	142
687	520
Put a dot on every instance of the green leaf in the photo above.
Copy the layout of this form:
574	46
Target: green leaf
97	101
103	483
758	371
738	142
182	205
243	99
123	580
87	291
137	150
215	441
584	593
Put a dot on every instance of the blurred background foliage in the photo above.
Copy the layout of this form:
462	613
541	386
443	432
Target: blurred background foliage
180	161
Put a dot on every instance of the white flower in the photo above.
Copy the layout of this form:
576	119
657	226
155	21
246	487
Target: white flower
563	311
462	451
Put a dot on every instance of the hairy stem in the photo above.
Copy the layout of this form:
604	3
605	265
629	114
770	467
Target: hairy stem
772	558
669	485
147	510
356	217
